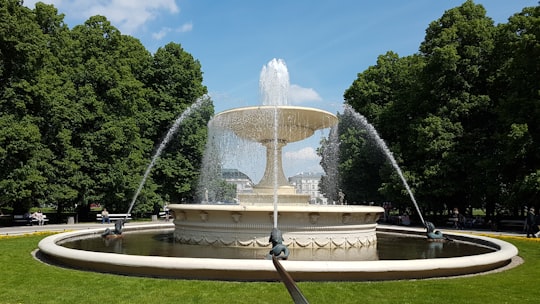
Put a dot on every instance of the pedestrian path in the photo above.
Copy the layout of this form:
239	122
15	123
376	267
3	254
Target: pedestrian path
21	230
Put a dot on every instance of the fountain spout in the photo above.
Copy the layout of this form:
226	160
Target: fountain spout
276	238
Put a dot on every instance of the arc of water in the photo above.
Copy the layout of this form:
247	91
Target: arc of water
380	142
162	145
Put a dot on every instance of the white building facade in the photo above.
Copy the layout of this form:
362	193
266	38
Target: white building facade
308	183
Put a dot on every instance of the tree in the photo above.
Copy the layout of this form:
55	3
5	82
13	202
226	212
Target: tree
457	49
434	111
515	86
176	82
387	95
84	108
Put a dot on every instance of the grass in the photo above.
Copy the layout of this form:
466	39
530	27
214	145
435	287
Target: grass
26	280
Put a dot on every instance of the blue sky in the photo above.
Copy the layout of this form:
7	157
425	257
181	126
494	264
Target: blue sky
325	44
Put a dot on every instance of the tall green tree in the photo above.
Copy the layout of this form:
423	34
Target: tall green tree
388	95
176	82
457	50
25	160
83	110
516	89
435	112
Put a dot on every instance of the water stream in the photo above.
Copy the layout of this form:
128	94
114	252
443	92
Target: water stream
274	89
375	135
162	145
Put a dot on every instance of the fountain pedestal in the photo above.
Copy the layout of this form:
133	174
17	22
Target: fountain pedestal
313	226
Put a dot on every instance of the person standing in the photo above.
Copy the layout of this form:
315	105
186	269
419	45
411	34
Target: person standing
166	209
530	223
455	218
105	216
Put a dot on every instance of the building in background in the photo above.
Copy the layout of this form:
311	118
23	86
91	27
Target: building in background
308	183
242	181
304	183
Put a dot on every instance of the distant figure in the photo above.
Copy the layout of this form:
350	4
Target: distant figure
38	215
530	223
167	213
341	197
405	220
456	218
276	238
105	216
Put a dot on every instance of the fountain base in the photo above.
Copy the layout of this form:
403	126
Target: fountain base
263	270
306	226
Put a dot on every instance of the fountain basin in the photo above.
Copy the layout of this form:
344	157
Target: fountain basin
256	123
263	270
302	225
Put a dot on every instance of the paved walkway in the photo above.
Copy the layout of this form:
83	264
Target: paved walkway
20	230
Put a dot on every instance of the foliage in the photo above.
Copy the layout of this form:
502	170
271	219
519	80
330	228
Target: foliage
461	116
82	109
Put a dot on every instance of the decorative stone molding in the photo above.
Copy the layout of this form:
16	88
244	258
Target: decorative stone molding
293	242
346	218
204	216
236	216
306	226
314	217
180	215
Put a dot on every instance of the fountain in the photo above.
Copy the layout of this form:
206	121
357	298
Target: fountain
274	201
345	236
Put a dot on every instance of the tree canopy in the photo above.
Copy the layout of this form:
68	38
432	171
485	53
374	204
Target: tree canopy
461	116
83	109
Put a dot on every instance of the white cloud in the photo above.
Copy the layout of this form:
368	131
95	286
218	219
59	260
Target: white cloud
186	27
162	33
166	30
126	15
307	153
303	160
298	94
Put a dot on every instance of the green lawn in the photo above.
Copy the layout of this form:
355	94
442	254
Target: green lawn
26	280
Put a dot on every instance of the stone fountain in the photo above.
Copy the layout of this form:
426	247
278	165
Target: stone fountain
274	201
330	230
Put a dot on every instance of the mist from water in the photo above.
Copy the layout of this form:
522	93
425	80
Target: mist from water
331	163
274	83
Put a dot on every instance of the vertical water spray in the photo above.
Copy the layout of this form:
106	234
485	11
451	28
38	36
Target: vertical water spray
274	89
162	146
375	135
275	198
274	83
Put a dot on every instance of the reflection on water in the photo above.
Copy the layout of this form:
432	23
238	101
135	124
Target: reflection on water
389	247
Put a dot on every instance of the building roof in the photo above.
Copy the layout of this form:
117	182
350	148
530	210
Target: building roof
308	175
233	174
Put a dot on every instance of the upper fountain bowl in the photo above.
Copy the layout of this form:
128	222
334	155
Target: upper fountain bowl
257	123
